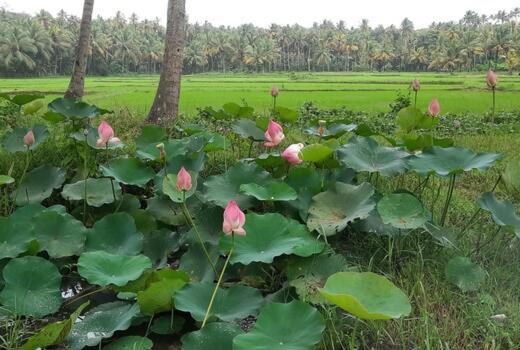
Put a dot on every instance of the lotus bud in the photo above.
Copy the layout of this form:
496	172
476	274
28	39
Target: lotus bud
434	108
321	129
28	139
106	133
162	151
275	91
415	85
234	220
274	134
491	79
183	180
292	153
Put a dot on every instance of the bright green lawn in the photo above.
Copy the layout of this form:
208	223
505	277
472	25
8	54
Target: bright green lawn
359	92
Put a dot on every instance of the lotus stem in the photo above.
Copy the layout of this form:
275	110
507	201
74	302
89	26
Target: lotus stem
415	102
448	199
494	105
85	184
24	172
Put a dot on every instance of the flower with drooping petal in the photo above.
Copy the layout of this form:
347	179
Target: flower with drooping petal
415	85
491	79
275	91
183	180
106	134
234	220
434	108
274	134
28	139
292	153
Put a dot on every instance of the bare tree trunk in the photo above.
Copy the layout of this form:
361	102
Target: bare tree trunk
166	104
77	81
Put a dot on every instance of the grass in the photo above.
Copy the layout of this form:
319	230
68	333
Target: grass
357	91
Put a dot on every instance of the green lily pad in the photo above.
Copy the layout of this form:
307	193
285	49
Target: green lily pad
300	329
130	343
32	287
15	237
269	236
503	212
273	191
451	160
129	171
231	304
364	154
195	263
165	211
331	131
54	333
22	99
150	135
307	183
99	191
331	211
286	114
6	180
60	235
214	336
270	160
316	153
410	119
101	323
366	295
115	233
220	189
236	111
402	210
165	325
511	178
373	223
105	269
158	244
39	184
322	266
464	274
247	129
159	295
13	142
74	109
170	187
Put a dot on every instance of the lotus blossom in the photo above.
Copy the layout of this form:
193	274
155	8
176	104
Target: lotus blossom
321	129
183	180
292	153
491	79
274	134
434	108
234	220
415	85
162	151
106	135
275	91
28	139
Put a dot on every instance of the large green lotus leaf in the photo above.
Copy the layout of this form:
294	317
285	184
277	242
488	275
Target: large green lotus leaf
39	184
511	178
150	135
410	119
21	99
402	210
231	304
165	211
13	142
99	191
167	324
445	236
364	154
129	171
214	336
105	269
451	160
366	295
15	237
503	212
54	333
270	160
316	153
115	233
32	287
6	180
307	183
272	191
294	326
101	323
236	111
414	142
220	189
195	263
158	244
465	274
60	235
247	129
159	295
331	131
74	109
268	236
130	343
286	115
321	266
331	211
190	161
170	187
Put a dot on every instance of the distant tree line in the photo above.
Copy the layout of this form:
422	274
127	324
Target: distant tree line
42	45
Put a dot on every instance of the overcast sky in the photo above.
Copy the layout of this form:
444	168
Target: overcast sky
265	12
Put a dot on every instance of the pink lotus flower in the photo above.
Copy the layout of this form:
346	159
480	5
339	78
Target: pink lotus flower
274	134
275	91
183	180
491	79
234	220
434	108
28	139
292	153
415	85
106	135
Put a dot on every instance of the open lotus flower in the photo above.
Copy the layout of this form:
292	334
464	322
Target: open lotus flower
183	180
415	85
292	153
234	220
106	135
491	79
28	139
275	91
274	134
434	108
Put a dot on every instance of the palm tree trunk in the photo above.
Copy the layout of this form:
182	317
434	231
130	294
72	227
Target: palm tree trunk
166	104
77	81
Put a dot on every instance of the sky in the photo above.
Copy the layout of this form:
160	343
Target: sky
264	12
